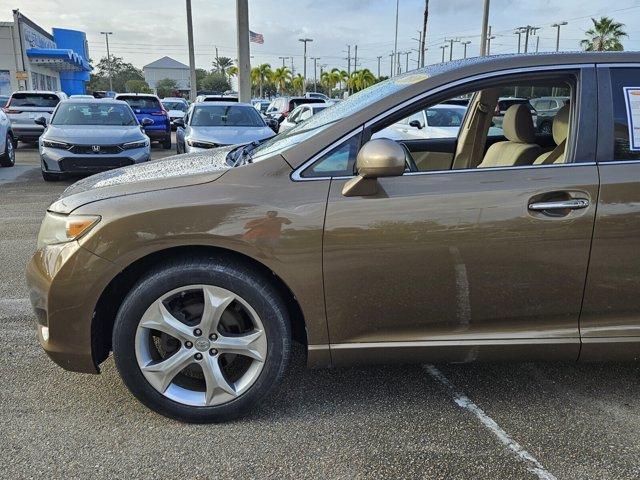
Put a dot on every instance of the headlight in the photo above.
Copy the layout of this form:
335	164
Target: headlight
138	144
199	144
58	228
54	144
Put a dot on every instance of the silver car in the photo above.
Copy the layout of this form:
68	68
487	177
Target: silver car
25	106
89	136
7	142
208	125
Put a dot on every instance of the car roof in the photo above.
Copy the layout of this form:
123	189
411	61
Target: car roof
142	95
101	101
48	92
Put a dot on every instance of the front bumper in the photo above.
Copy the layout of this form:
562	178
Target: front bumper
63	161
65	282
23	131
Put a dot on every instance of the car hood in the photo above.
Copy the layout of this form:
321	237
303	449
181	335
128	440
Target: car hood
93	134
230	135
172	172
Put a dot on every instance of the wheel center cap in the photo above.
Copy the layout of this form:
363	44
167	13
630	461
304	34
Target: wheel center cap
202	344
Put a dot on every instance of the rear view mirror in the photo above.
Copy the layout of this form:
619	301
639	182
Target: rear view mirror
41	121
147	121
178	122
416	124
377	158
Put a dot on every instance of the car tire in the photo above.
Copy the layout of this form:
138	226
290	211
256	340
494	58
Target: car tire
166	143
8	158
178	152
189	275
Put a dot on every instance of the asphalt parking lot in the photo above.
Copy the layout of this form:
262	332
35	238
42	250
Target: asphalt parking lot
493	421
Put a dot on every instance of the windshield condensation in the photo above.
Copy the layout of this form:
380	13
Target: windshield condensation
93	114
226	116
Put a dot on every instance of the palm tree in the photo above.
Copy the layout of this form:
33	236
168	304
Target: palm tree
298	83
222	65
261	75
361	79
281	77
232	71
328	81
604	35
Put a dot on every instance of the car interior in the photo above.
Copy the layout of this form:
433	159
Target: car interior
519	143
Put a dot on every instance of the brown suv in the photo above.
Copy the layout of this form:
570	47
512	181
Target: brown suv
199	271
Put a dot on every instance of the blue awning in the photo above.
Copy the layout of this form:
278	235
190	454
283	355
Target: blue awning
58	59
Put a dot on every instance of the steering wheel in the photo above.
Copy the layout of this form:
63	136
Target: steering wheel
411	163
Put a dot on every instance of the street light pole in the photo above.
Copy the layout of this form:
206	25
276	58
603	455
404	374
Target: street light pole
379	58
558	25
519	33
464	44
304	74
315	73
489	38
485	26
106	37
283	60
451	41
406	63
395	44
193	91
244	60
443	48
391	55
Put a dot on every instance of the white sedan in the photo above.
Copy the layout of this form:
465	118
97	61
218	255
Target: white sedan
300	114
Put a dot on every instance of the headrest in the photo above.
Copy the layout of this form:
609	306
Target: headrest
518	124
561	125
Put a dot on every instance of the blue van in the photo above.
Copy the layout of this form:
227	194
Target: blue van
145	105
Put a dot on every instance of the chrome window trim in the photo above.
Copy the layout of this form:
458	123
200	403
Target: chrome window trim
296	175
618	65
612	162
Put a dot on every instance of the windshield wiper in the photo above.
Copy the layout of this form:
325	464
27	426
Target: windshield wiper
243	154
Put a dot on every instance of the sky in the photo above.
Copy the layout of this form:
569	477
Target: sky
146	31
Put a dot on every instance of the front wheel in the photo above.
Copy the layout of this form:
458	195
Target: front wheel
166	143
8	158
201	340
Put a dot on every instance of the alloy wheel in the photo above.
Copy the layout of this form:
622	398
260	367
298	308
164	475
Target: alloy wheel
201	345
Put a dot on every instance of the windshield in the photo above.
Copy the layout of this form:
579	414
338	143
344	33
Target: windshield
175	106
226	116
93	114
142	103
34	100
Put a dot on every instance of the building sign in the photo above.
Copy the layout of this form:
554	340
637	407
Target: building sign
21	75
34	39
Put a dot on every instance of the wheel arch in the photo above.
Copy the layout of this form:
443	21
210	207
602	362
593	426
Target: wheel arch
114	293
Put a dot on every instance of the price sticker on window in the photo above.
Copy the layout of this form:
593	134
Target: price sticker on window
632	99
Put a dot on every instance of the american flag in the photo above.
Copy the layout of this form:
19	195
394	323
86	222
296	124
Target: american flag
256	37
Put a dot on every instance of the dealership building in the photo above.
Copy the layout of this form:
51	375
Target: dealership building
33	59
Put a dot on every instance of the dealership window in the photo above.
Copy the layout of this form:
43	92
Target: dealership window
625	85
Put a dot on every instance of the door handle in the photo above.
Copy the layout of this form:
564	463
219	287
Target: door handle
572	204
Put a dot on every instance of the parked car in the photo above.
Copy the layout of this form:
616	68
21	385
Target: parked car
7	142
147	106
300	114
77	96
209	125
176	108
89	136
280	107
261	105
319	95
198	272
25	106
546	109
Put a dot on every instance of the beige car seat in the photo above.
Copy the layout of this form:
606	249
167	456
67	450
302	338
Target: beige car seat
519	149
560	130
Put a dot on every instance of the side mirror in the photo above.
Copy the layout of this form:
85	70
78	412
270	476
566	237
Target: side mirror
41	121
273	124
147	121
416	124
377	158
178	122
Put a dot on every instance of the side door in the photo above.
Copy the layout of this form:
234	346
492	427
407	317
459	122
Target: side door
610	321
457	264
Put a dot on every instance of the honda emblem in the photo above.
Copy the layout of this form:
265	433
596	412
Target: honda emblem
95	148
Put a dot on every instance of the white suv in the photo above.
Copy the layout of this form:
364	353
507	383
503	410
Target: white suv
25	106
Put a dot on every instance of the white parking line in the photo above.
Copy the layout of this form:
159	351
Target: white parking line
533	465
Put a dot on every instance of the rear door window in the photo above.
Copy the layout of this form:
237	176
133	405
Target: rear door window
43	100
625	90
